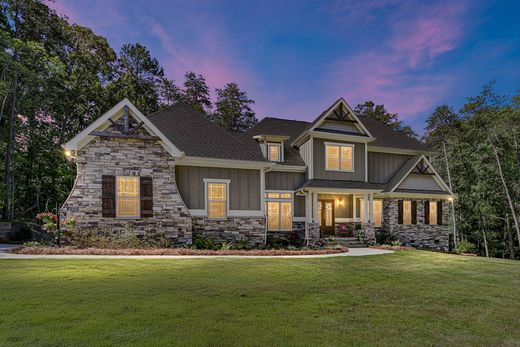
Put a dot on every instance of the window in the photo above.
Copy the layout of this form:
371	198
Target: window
279	211
127	197
433	212
378	211
217	200
407	212
274	151
339	157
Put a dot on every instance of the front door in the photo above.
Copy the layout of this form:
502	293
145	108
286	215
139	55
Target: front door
326	217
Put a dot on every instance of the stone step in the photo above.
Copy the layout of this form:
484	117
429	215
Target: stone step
351	242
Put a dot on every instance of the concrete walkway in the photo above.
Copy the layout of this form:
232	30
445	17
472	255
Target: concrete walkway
353	252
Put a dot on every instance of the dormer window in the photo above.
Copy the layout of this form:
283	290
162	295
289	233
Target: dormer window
274	151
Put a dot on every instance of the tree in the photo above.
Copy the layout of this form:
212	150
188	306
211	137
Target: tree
439	130
379	112
138	77
233	110
195	93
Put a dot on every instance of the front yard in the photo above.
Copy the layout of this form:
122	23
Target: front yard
405	298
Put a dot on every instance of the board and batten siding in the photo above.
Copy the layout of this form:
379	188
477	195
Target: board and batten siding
420	182
305	152
319	171
277	180
383	166
244	186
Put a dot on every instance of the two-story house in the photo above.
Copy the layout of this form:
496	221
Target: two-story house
338	175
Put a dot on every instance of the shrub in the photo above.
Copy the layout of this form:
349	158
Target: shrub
395	243
383	237
205	244
466	247
241	245
226	246
126	238
276	243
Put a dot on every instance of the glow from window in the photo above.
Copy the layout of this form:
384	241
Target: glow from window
127	196
273	150
339	157
407	212
279	211
217	200
433	212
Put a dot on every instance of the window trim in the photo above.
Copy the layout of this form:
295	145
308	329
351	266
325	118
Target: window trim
280	199
138	198
218	181
280	151
339	153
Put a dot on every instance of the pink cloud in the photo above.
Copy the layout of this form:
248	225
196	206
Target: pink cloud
398	74
216	61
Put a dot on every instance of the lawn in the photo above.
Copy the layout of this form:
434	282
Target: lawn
405	298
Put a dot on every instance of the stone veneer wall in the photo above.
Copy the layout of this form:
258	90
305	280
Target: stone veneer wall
370	233
313	230
232	229
296	235
420	234
129	158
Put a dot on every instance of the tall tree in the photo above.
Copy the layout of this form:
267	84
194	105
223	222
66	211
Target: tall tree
379	112
439	130
195	92
233	110
139	77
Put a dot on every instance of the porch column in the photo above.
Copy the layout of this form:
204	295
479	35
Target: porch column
354	206
314	207
371	208
365	208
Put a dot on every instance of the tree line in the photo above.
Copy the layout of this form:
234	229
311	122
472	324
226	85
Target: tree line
57	77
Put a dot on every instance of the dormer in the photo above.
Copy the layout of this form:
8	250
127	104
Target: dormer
272	146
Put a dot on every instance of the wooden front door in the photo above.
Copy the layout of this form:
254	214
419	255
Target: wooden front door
326	217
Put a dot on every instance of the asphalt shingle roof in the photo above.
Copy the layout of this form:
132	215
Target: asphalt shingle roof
320	183
196	136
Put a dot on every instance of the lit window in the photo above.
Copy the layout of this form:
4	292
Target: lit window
378	211
339	157
407	212
279	211
217	200
127	196
433	212
274	151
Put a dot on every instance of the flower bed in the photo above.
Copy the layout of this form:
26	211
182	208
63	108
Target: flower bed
171	251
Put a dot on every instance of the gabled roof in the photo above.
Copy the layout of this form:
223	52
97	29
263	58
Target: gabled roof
277	126
116	112
406	169
196	136
328	112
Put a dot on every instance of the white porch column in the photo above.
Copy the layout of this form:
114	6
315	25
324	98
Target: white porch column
371	208
365	208
314	207
354	206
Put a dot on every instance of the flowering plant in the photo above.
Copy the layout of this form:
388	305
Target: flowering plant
49	222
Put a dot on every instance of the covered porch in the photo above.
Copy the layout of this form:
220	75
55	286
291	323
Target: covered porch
342	213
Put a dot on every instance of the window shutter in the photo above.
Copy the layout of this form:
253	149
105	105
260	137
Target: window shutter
400	211
146	191
108	196
414	212
439	212
426	212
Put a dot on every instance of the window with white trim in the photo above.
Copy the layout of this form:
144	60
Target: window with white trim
217	199
339	157
279	208
274	151
127	196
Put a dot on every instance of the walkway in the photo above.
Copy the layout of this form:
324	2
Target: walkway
353	252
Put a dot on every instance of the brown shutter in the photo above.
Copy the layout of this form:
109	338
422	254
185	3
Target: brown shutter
439	212
414	211
146	197
400	211
427	212
108	196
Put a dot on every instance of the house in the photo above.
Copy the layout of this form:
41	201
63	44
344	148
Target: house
340	175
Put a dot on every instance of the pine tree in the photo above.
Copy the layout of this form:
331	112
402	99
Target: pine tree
233	110
195	93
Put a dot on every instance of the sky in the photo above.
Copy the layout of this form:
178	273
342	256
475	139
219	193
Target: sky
295	58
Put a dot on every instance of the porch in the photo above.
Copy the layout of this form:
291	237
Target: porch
343	214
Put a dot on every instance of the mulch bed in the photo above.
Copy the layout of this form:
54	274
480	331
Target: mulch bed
68	250
393	248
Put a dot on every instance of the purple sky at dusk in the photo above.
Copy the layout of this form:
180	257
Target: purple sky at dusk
295	58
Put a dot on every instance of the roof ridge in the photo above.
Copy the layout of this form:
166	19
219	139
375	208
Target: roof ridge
285	119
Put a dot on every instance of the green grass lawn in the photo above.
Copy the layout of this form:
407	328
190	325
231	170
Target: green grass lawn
405	298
